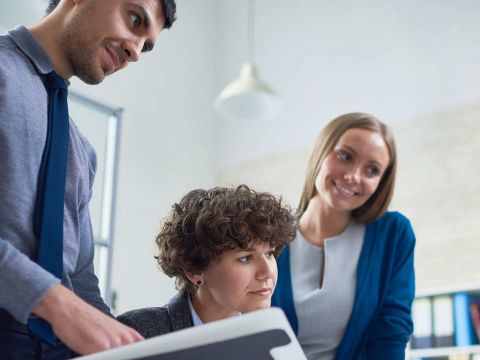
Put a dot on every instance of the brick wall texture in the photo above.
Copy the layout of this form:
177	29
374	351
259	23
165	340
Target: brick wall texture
438	185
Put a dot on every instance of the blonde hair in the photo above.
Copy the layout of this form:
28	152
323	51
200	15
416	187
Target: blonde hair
378	203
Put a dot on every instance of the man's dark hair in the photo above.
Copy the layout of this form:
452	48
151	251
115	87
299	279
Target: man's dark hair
207	223
51	6
169	10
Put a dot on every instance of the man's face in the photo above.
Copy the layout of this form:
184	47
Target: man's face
103	36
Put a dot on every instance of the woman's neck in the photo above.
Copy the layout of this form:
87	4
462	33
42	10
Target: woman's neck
319	221
208	310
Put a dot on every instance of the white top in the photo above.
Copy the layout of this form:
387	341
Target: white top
196	319
323	312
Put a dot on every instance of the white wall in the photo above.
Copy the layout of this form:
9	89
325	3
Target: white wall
325	58
438	188
25	12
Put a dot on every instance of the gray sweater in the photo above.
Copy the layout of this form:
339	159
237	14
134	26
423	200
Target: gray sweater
23	126
323	311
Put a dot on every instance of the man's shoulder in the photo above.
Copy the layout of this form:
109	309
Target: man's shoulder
9	53
6	43
15	68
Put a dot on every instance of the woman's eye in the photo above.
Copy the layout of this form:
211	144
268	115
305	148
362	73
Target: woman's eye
373	170
341	155
270	254
135	19
245	259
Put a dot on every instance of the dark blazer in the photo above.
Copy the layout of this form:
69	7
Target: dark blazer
381	323
156	321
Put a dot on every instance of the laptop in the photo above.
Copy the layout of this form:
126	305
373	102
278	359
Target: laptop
263	335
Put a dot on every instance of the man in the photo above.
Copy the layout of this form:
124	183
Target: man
89	39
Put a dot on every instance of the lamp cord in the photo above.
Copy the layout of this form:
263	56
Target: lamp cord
251	31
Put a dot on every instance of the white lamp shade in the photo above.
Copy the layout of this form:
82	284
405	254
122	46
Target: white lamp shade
248	97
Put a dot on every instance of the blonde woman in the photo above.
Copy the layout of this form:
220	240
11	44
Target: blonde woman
347	281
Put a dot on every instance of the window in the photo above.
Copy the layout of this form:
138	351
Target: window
101	125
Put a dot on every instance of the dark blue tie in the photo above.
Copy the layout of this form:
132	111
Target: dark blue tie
48	214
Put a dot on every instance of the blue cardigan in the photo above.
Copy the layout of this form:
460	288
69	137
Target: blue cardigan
380	324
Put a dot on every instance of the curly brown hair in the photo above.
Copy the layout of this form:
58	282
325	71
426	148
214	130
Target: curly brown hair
207	223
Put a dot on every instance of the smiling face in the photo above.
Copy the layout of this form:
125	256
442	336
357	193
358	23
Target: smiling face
352	171
103	36
242	281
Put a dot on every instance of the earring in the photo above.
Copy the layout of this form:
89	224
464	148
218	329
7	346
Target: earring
199	282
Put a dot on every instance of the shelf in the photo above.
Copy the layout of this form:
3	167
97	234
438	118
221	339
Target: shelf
434	291
445	351
434	352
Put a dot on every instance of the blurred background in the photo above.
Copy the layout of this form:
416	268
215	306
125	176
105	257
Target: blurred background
415	65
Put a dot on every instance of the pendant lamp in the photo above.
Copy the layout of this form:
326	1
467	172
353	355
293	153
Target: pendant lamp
248	97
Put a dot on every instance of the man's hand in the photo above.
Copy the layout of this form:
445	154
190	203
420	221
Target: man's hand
79	325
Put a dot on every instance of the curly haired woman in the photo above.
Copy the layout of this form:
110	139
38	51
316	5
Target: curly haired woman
221	246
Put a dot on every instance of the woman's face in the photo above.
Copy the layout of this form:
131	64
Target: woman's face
242	281
351	172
